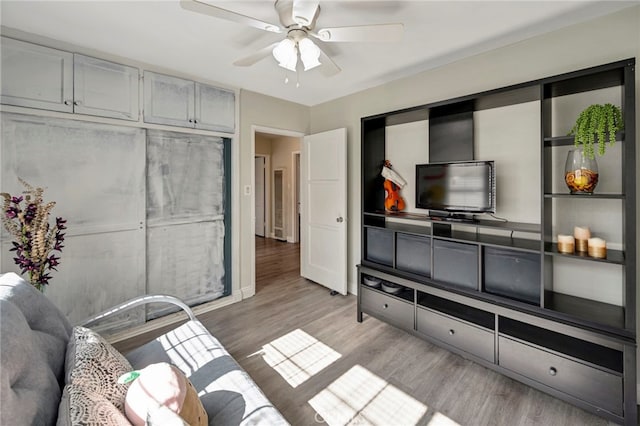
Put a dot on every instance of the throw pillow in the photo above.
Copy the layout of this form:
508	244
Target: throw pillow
164	385
95	365
80	406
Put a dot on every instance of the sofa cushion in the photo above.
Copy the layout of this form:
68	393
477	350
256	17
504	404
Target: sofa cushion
32	349
95	365
228	394
81	406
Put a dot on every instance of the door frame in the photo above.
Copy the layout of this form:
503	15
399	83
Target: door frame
267	194
295	195
252	246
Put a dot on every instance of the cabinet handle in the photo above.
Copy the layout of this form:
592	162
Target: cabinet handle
66	102
77	103
195	121
385	306
452	332
553	371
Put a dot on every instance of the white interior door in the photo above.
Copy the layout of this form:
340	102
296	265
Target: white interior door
323	177
260	195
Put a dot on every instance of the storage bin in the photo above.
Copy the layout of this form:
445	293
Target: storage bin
513	274
379	246
455	263
413	254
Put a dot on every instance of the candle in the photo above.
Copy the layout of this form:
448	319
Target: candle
597	247
565	243
582	235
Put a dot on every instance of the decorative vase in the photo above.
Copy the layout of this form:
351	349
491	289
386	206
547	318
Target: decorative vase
580	172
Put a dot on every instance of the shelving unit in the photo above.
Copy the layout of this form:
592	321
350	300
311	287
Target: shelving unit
499	292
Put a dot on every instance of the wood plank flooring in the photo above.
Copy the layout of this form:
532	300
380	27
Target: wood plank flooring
383	375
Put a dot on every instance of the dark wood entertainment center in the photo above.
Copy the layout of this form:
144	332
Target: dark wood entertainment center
476	290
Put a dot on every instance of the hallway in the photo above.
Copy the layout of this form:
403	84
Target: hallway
275	261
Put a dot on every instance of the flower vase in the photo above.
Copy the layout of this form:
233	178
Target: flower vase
580	172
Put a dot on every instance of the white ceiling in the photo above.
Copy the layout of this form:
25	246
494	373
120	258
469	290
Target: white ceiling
162	33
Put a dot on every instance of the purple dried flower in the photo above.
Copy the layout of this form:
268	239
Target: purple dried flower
24	223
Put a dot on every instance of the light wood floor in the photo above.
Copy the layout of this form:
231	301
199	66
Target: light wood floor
391	376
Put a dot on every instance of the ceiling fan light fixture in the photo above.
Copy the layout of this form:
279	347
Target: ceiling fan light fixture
309	54
286	54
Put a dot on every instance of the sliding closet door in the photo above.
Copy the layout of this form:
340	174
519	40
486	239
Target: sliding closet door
95	174
187	245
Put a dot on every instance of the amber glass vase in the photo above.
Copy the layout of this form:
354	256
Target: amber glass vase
580	172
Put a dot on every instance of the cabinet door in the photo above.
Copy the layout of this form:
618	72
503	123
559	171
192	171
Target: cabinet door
36	76
168	100
105	88
215	108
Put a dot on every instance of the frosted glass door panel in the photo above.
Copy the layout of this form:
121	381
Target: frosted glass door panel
215	108
168	100
36	76
105	88
185	177
186	261
95	172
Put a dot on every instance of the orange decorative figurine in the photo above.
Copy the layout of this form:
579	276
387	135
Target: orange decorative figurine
393	201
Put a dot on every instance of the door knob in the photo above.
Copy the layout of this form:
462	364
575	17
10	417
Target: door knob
339	219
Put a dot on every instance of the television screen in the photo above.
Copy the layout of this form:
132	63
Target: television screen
465	186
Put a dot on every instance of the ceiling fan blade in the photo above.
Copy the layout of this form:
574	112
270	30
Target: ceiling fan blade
256	56
367	33
217	12
304	12
328	68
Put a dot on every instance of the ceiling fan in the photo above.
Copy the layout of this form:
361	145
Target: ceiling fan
298	20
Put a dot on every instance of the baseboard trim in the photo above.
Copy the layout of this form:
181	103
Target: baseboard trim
247	292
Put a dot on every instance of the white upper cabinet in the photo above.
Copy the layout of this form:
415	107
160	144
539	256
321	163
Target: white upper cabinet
215	108
168	100
36	76
176	101
41	77
105	89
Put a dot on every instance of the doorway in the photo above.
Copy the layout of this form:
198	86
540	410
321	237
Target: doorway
280	150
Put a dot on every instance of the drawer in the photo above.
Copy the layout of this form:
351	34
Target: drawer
475	340
397	311
590	384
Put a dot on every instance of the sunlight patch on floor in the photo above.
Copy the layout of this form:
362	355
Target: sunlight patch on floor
297	356
440	419
359	397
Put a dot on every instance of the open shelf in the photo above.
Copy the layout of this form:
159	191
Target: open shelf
613	256
587	310
479	223
570	140
596	195
520	244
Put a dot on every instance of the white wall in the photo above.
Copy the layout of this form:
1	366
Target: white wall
265	112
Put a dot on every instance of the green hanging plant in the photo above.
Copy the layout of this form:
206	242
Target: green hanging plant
594	124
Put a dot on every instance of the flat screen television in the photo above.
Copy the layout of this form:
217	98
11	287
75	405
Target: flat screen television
457	187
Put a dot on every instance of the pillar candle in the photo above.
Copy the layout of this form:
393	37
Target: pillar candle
581	233
565	243
597	247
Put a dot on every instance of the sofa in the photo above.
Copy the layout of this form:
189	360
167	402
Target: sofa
37	343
